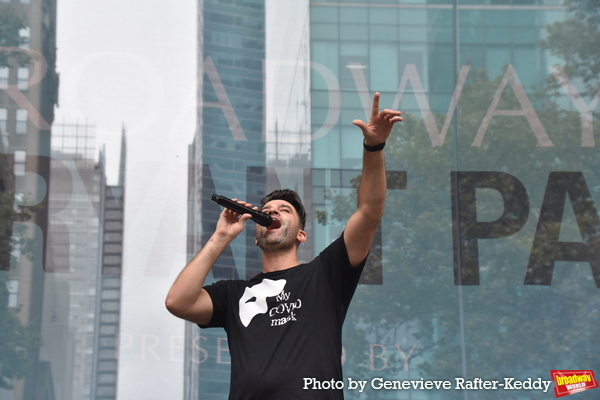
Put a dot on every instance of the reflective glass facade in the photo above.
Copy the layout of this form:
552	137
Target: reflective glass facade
485	265
479	245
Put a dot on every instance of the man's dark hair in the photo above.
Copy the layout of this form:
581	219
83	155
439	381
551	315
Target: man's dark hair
291	197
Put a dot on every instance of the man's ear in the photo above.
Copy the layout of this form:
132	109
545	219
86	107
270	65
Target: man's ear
301	237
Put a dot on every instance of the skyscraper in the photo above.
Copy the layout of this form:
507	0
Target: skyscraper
108	302
28	94
82	289
72	261
228	153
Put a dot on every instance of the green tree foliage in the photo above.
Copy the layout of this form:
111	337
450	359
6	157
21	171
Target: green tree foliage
577	42
16	338
10	26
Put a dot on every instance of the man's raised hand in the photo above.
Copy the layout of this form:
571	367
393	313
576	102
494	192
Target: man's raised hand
379	127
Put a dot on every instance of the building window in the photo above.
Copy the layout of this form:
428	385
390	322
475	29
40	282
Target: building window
111	283
110	295
107	366
25	34
23	78
19	164
15	251
4	72
113	237
112	260
107	378
3	119
109	330
114	214
21	121
13	292
109	317
113	248
113	225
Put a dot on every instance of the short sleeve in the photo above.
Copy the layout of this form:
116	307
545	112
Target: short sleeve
218	294
342	277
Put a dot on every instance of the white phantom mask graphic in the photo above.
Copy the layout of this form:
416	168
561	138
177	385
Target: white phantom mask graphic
254	299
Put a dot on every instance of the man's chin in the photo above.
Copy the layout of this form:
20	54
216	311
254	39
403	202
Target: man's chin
273	246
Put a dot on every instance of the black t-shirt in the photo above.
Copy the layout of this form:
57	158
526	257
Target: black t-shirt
285	326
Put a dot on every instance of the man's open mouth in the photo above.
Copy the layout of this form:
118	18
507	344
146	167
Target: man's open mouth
275	224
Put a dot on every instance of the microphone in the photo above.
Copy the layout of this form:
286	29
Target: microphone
260	218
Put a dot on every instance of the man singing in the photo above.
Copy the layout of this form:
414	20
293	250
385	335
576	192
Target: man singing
284	326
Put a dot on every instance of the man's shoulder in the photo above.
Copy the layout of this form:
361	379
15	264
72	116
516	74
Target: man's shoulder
228	284
255	280
336	246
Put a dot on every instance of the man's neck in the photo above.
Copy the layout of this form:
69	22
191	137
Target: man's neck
278	261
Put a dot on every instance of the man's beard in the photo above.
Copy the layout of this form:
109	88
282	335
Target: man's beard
284	240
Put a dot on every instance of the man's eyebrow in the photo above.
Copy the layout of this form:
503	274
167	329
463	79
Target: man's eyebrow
265	207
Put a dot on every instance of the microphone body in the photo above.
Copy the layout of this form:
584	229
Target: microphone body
260	218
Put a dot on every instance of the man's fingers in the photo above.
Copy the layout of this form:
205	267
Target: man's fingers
244	217
235	214
387	113
361	124
375	109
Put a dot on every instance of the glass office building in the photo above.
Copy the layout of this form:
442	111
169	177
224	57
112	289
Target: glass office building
478	247
227	157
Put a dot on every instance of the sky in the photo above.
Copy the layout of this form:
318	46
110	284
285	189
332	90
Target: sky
133	64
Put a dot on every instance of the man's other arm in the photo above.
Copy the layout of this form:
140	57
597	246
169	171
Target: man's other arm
361	226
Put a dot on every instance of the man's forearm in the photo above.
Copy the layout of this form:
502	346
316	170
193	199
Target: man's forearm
362	225
185	292
372	189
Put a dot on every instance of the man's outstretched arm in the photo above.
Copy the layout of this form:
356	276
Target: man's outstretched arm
187	299
361	226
